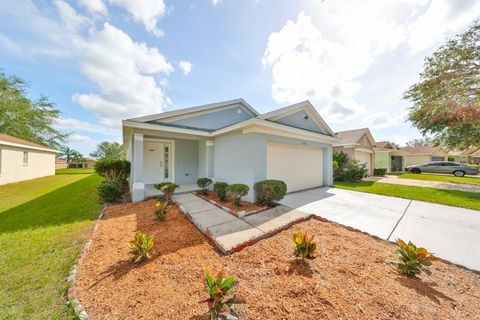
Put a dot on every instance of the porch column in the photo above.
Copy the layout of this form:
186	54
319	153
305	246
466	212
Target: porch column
138	188
328	166
210	155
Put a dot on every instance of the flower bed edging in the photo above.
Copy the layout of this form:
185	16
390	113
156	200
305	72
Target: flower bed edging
240	214
71	295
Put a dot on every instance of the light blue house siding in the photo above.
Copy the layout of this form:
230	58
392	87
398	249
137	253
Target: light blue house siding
242	158
186	161
298	120
216	120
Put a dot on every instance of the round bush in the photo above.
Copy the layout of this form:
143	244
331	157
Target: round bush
269	191
237	191
115	170
220	189
204	183
109	191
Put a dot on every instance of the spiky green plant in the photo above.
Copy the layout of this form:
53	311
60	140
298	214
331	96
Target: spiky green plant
222	300
161	210
305	245
412	260
141	246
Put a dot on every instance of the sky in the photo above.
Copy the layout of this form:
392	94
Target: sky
102	61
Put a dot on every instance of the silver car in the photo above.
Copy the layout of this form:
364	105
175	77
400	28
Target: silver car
445	167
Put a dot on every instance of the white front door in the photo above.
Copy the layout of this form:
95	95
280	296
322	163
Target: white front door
155	168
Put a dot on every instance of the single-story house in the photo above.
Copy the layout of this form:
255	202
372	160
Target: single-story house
85	163
388	156
24	160
422	155
61	163
229	141
359	145
472	155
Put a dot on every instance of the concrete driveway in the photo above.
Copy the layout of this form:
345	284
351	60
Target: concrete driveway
451	233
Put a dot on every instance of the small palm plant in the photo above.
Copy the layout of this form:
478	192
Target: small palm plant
161	210
141	246
222	300
305	245
412	260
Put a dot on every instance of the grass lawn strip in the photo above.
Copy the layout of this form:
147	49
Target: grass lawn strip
75	171
43	227
446	178
455	198
351	277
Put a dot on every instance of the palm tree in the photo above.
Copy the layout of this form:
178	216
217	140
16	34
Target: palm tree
71	155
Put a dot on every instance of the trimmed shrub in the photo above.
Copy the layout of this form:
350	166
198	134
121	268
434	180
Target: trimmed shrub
167	188
115	170
269	191
379	172
220	189
340	157
355	171
237	191
109	191
204	184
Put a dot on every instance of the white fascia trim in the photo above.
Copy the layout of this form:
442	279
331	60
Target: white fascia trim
175	113
363	150
158	127
18	145
346	145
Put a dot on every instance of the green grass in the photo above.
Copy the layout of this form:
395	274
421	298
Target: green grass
44	224
469	200
443	178
74	171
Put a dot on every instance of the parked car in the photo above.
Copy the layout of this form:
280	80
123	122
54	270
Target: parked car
446	167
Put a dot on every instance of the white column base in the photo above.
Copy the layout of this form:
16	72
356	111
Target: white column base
138	192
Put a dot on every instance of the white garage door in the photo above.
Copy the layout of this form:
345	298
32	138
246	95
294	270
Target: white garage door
364	157
300	167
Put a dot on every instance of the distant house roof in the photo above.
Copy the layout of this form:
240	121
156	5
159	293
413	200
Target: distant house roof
17	142
422	150
352	136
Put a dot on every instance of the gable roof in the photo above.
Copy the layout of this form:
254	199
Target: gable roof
304	105
422	150
17	142
353	136
192	111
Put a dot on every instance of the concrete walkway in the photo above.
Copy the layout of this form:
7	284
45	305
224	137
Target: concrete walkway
450	232
425	183
230	233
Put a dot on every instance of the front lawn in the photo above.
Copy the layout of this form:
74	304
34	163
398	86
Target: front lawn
74	171
443	178
463	199
44	223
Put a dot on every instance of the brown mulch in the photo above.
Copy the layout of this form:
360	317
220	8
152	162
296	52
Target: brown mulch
351	277
244	205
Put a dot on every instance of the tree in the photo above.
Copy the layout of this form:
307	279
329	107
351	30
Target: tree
109	150
446	101
419	142
27	119
71	155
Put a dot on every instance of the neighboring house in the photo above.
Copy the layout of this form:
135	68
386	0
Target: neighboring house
388	156
422	155
471	155
474	156
61	163
24	160
231	142
359	145
86	163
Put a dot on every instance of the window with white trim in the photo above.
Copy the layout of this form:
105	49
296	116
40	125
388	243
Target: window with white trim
25	158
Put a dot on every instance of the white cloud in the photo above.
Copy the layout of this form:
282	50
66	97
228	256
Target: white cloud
125	72
95	6
216	2
70	124
148	12
185	66
79	138
382	120
341	110
70	18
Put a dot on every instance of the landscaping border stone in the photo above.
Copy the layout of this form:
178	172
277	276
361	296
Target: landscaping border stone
71	295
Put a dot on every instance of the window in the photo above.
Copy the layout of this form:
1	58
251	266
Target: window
25	158
165	155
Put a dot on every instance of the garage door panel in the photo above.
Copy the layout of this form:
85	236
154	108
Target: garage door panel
300	167
364	157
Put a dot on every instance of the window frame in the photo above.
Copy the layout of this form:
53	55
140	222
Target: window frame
25	158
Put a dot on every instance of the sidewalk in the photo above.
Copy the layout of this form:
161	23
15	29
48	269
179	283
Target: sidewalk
230	233
425	183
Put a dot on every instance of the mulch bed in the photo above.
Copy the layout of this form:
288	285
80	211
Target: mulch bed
244	209
351	277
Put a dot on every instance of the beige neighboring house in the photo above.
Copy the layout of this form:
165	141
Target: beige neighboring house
61	163
86	163
359	145
24	160
422	155
471	155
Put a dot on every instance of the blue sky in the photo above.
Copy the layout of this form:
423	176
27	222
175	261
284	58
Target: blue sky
102	61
